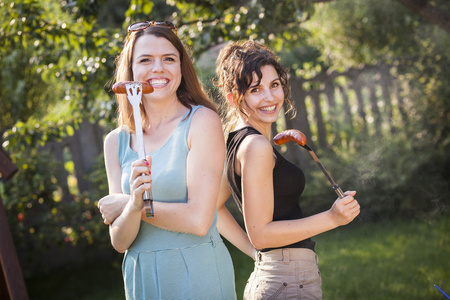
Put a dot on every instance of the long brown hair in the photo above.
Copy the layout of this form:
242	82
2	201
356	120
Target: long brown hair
190	91
235	66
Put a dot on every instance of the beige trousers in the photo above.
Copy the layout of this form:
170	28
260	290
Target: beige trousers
289	273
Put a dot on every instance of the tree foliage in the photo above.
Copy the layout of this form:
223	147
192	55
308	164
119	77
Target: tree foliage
375	33
436	12
207	23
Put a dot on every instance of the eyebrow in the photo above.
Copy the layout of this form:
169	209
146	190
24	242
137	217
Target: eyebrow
167	54
275	79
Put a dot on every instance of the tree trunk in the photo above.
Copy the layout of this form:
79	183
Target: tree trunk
57	148
300	122
85	146
401	105
375	110
321	130
359	98
430	12
347	115
384	81
332	112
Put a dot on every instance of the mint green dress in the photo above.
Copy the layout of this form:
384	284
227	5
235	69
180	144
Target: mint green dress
162	264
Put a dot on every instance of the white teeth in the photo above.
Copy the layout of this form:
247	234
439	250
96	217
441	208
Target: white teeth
269	108
158	81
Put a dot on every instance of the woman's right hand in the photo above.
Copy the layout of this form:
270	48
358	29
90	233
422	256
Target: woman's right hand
111	206
345	209
140	181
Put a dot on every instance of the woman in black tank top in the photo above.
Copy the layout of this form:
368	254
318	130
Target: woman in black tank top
264	184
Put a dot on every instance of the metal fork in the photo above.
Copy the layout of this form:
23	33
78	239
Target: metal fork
134	94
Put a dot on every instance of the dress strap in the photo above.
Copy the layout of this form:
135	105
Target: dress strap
185	123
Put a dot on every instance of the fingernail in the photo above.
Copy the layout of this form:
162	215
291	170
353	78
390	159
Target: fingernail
149	172
146	162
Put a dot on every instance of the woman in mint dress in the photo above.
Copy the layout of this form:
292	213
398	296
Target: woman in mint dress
177	254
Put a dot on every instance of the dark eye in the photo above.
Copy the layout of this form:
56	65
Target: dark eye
254	90
144	60
276	84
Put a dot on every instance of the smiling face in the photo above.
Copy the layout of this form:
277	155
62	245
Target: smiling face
157	61
263	100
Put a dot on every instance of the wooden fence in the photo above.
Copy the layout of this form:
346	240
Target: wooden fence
333	109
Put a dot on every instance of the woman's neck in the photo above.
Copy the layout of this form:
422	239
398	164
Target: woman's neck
264	129
159	114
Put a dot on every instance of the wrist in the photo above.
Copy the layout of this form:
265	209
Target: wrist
134	205
332	219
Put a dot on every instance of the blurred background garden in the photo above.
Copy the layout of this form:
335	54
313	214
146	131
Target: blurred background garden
371	83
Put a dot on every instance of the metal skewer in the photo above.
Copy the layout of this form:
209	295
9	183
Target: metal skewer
134	92
336	187
294	135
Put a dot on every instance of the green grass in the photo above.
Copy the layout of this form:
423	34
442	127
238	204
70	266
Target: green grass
387	260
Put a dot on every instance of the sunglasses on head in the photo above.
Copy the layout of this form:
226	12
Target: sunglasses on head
145	24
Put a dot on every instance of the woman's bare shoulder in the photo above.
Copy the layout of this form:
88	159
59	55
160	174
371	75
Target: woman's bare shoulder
255	146
112	137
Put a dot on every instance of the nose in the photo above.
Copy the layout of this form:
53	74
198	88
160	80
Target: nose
157	65
268	95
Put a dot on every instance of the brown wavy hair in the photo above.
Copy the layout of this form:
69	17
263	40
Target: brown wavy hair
235	66
189	93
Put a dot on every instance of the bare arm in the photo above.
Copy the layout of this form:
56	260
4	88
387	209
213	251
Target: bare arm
125	227
227	225
204	168
256	160
112	205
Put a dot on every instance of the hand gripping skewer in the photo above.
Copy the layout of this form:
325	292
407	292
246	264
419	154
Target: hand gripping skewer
134	91
294	135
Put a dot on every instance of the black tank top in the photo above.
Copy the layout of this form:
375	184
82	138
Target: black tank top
288	184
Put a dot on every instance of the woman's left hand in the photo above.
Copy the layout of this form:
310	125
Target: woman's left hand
345	209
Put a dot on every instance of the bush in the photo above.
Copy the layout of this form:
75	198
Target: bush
50	230
393	177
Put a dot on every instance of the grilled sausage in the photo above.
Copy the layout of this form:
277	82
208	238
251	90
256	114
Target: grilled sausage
120	87
290	135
